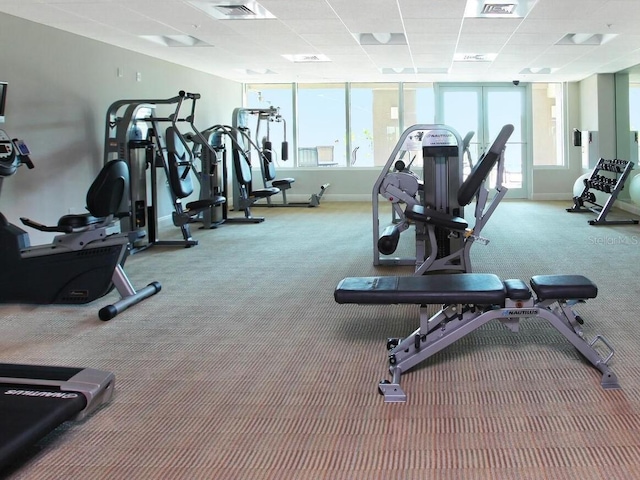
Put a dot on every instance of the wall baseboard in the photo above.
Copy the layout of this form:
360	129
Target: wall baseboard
540	197
628	207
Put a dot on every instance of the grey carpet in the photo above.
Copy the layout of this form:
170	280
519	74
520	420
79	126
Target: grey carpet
243	367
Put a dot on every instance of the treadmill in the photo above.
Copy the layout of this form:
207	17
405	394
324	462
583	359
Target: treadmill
35	400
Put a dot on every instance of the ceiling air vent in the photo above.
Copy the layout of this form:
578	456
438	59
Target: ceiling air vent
498	8
235	10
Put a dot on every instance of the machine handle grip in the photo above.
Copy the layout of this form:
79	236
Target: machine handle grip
192	96
26	160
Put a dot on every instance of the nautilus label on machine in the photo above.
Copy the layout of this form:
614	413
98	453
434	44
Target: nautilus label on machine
439	137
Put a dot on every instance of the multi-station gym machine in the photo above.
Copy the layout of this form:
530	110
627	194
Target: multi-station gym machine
138	132
443	151
434	206
268	156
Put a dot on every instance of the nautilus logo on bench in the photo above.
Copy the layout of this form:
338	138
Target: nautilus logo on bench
524	312
35	393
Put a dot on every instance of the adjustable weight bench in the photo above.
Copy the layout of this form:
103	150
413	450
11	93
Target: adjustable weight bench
469	301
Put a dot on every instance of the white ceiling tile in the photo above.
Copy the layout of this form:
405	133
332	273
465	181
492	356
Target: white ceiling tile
490	25
317	26
432	9
435	30
567	10
448	26
287	10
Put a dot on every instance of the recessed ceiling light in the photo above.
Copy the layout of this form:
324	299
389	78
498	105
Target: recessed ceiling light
381	39
586	38
397	70
537	71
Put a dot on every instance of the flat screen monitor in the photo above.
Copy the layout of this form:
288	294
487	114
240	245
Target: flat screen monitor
3	99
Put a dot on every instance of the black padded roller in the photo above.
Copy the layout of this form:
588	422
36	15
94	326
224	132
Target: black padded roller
388	241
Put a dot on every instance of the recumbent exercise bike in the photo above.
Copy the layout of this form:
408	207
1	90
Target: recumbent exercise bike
82	264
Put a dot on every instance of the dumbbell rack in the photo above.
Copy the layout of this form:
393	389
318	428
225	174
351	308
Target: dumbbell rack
609	177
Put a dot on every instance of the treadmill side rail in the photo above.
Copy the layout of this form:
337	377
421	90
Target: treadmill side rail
95	385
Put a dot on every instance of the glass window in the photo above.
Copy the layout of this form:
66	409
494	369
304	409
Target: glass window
547	119
375	122
419	104
634	102
322	125
418	108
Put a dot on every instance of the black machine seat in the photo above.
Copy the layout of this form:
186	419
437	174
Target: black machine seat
422	214
270	174
575	287
264	192
215	200
103	201
68	223
476	288
283	183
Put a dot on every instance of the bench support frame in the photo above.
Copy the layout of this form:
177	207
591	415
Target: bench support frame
453	322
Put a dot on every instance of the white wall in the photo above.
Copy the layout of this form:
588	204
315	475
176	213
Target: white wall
60	86
557	183
597	111
607	115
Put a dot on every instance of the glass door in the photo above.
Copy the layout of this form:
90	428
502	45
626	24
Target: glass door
484	110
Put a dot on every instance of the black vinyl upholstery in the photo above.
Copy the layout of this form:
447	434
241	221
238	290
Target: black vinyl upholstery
179	163
105	193
478	288
478	174
563	286
463	288
419	213
244	177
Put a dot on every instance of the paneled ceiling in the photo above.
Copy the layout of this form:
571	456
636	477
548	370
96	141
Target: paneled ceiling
361	40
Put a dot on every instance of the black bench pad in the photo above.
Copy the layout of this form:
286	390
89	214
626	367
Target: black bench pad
283	183
478	288
421	214
566	287
264	192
